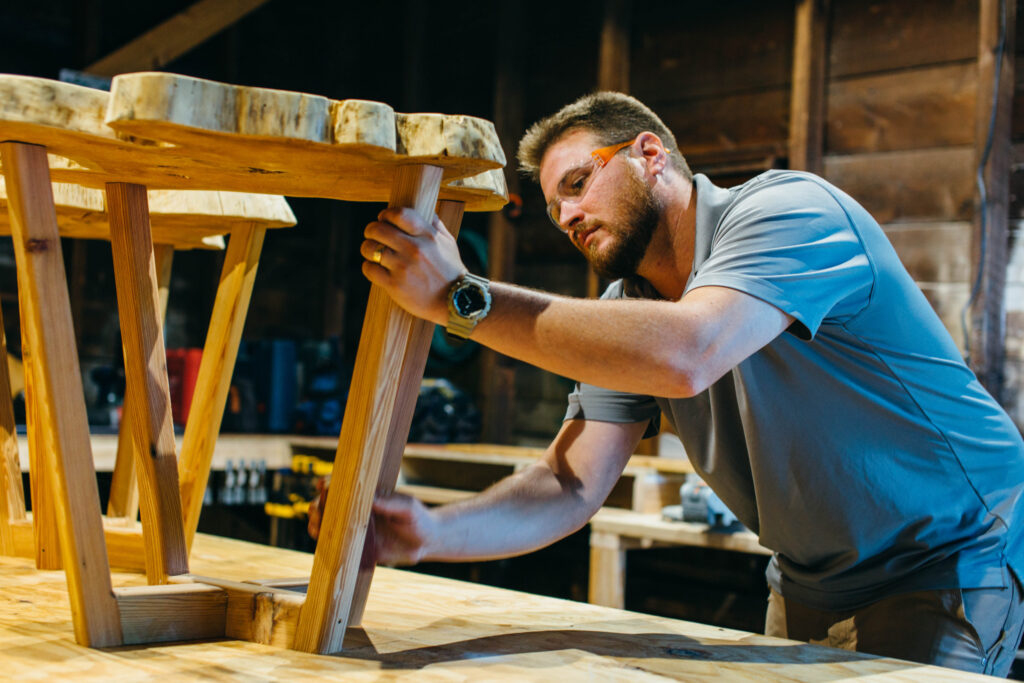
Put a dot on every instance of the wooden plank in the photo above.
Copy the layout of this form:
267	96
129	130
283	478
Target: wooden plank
364	432
36	248
607	586
918	185
497	371
227	321
426	627
871	37
923	107
416	351
651	527
124	487
46	537
159	614
933	251
709	49
997	21
807	96
174	37
729	123
12	492
148	401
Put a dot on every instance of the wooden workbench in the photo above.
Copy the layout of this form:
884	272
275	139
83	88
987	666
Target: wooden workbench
421	628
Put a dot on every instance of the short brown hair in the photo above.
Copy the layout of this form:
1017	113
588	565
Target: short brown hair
612	116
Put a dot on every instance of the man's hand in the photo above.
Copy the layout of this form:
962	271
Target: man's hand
414	261
403	527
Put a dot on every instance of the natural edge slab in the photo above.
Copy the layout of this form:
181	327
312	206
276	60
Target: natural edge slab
176	132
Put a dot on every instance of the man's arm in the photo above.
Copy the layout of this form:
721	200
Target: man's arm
660	348
523	512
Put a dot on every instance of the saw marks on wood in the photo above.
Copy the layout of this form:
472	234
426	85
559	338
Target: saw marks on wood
176	132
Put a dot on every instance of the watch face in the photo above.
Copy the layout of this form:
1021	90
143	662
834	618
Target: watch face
468	300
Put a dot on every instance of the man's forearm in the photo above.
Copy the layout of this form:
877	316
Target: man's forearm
520	513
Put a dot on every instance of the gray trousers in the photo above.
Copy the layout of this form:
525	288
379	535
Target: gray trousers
974	629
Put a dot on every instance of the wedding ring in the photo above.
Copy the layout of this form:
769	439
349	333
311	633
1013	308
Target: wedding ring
378	254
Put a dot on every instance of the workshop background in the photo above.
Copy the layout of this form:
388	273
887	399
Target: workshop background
910	106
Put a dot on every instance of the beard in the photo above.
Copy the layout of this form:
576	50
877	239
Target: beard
632	227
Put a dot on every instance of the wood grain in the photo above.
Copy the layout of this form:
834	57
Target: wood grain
124	485
417	349
12	492
36	248
213	381
807	95
157	614
148	400
364	434
425	627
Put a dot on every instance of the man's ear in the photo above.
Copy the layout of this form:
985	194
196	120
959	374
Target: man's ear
653	152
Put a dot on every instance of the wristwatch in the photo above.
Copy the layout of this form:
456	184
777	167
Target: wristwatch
469	300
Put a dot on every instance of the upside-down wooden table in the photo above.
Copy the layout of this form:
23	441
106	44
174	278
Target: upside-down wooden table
179	220
159	130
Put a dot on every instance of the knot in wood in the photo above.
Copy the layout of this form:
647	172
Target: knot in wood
36	245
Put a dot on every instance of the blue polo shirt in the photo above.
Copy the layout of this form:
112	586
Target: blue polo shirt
857	444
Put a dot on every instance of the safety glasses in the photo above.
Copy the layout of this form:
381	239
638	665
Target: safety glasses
574	184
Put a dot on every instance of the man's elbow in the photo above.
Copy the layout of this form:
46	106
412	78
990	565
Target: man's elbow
685	379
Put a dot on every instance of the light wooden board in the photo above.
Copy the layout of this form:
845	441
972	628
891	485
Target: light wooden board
184	219
419	627
168	131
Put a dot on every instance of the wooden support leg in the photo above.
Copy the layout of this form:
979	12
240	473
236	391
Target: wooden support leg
607	570
215	369
416	352
361	445
12	493
45	535
147	397
37	252
124	486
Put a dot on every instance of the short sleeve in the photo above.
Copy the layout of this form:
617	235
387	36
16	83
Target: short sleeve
588	402
788	241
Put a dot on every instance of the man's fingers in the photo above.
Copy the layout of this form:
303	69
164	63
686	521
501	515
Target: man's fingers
407	220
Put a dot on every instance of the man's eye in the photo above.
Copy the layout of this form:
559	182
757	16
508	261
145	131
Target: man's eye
574	186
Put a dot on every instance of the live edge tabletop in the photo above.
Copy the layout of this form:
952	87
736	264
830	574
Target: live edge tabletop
418	627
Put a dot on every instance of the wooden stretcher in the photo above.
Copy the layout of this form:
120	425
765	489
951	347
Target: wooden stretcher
162	131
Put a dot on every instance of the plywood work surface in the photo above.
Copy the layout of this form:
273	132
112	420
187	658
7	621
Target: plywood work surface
176	132
419	627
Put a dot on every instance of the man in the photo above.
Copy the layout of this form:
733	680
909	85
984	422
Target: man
812	385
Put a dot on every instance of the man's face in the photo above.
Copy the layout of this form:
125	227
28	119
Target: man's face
612	224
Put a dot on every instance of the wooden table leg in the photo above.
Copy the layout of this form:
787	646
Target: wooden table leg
364	434
215	369
12	493
124	485
607	570
147	396
416	352
37	252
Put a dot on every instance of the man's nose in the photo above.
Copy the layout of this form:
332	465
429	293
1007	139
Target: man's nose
569	214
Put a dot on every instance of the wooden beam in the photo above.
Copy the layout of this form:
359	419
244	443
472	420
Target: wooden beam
989	243
159	614
12	492
497	371
124	485
364	433
173	38
807	97
613	74
238	275
148	397
416	351
38	255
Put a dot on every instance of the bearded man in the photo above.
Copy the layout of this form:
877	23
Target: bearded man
812	385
